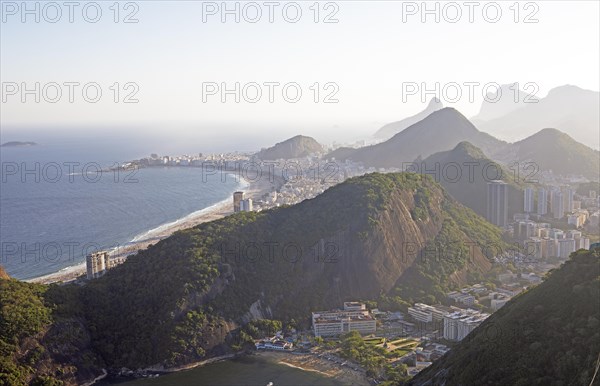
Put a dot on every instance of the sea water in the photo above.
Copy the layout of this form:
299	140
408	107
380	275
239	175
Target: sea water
55	206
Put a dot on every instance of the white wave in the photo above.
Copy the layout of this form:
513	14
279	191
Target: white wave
161	228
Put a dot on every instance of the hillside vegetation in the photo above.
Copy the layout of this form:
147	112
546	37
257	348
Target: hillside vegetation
549	335
191	295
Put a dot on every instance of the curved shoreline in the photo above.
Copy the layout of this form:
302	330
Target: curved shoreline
308	362
312	363
223	208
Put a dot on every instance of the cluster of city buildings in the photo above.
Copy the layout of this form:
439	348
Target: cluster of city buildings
541	241
307	177
430	352
300	178
353	317
241	204
228	160
479	294
455	322
559	201
546	210
555	202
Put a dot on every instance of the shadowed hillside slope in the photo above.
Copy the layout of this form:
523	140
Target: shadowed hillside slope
549	335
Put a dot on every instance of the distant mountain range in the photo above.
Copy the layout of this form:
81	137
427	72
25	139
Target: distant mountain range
553	150
444	129
570	109
295	147
441	130
501	103
465	172
549	335
394	128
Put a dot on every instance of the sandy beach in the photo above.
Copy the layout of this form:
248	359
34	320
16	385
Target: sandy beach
254	190
310	362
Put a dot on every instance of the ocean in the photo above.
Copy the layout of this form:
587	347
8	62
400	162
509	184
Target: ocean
55	206
249	370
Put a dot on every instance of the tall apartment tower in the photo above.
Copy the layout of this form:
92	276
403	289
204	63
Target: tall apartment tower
497	203
528	200
96	264
246	205
568	194
558	208
542	205
237	198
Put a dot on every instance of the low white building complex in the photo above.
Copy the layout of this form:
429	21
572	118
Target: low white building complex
354	317
427	314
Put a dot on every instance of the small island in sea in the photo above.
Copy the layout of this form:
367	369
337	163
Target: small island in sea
18	144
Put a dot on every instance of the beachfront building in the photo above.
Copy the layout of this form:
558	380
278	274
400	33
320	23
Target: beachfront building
278	344
246	205
96	264
237	198
354	317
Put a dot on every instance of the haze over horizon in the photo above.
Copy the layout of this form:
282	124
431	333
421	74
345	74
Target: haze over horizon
170	53
392	193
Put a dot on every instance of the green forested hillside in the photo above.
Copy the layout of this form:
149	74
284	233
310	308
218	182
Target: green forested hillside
188	296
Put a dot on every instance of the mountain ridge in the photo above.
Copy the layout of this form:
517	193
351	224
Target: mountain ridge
391	129
548	335
441	130
465	172
568	108
552	149
188	297
294	147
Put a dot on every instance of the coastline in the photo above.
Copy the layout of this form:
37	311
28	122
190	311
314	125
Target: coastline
252	189
310	362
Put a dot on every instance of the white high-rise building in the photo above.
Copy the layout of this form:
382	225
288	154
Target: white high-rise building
558	208
565	247
542	204
96	264
497	203
528	200
237	198
246	205
568	194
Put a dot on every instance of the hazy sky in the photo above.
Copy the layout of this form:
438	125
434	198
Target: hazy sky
366	57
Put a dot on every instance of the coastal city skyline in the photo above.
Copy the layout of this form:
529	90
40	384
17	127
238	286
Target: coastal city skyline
323	193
